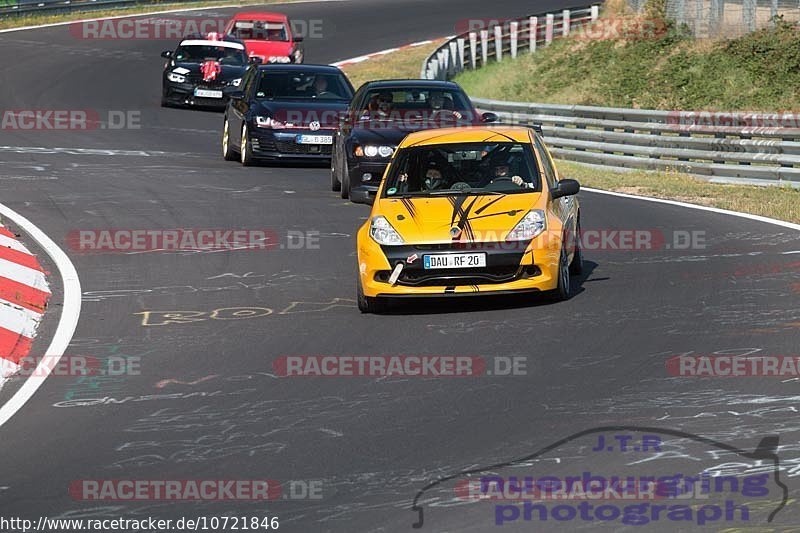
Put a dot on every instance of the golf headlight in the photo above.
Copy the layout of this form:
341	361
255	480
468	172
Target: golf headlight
176	78
383	233
269	122
280	59
236	82
531	225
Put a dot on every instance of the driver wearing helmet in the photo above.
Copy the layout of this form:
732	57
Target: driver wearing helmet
502	172
433	179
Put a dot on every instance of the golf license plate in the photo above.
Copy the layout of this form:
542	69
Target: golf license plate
315	139
207	93
431	262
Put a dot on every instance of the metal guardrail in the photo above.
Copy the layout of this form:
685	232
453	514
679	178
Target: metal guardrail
738	147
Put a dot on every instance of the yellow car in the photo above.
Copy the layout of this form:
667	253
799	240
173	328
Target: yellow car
468	211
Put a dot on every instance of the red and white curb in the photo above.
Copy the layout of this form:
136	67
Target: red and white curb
23	297
31	301
360	59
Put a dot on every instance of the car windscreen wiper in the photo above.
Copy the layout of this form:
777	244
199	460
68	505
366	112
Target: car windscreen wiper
477	192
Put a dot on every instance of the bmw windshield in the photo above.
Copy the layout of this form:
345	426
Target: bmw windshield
463	168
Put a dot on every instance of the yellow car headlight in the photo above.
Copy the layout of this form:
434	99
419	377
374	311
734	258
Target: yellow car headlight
531	225
383	233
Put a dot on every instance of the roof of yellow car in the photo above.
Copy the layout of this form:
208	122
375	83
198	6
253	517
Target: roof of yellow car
467	134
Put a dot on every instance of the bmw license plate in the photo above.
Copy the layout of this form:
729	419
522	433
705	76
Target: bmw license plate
315	139
454	261
207	93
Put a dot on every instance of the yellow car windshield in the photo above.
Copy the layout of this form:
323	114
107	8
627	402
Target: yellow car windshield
463	168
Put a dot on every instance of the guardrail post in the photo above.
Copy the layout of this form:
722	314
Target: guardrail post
565	22
434	72
484	47
749	14
715	15
773	11
512	28
680	14
460	46
498	43
444	62
548	31
456	65
473	48
533	33
595	12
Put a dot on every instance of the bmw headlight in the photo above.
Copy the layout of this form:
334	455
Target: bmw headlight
531	225
269	122
371	150
280	59
383	233
236	82
176	78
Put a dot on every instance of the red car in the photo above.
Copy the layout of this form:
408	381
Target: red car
267	36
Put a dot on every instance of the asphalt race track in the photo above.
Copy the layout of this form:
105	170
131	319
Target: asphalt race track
370	443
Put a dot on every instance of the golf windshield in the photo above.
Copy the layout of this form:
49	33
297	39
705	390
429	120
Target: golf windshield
226	55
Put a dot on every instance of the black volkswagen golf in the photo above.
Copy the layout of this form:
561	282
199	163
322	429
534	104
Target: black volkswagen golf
284	112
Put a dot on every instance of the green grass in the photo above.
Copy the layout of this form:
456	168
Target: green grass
757	72
405	63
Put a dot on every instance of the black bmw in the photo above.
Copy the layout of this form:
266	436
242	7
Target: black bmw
200	68
381	114
284	112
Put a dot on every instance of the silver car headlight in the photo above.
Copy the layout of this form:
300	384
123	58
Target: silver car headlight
531	225
383	233
374	151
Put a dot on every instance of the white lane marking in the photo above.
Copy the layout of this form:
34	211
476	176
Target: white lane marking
22	274
20	321
149	13
748	216
792	252
92	151
14	244
67	322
